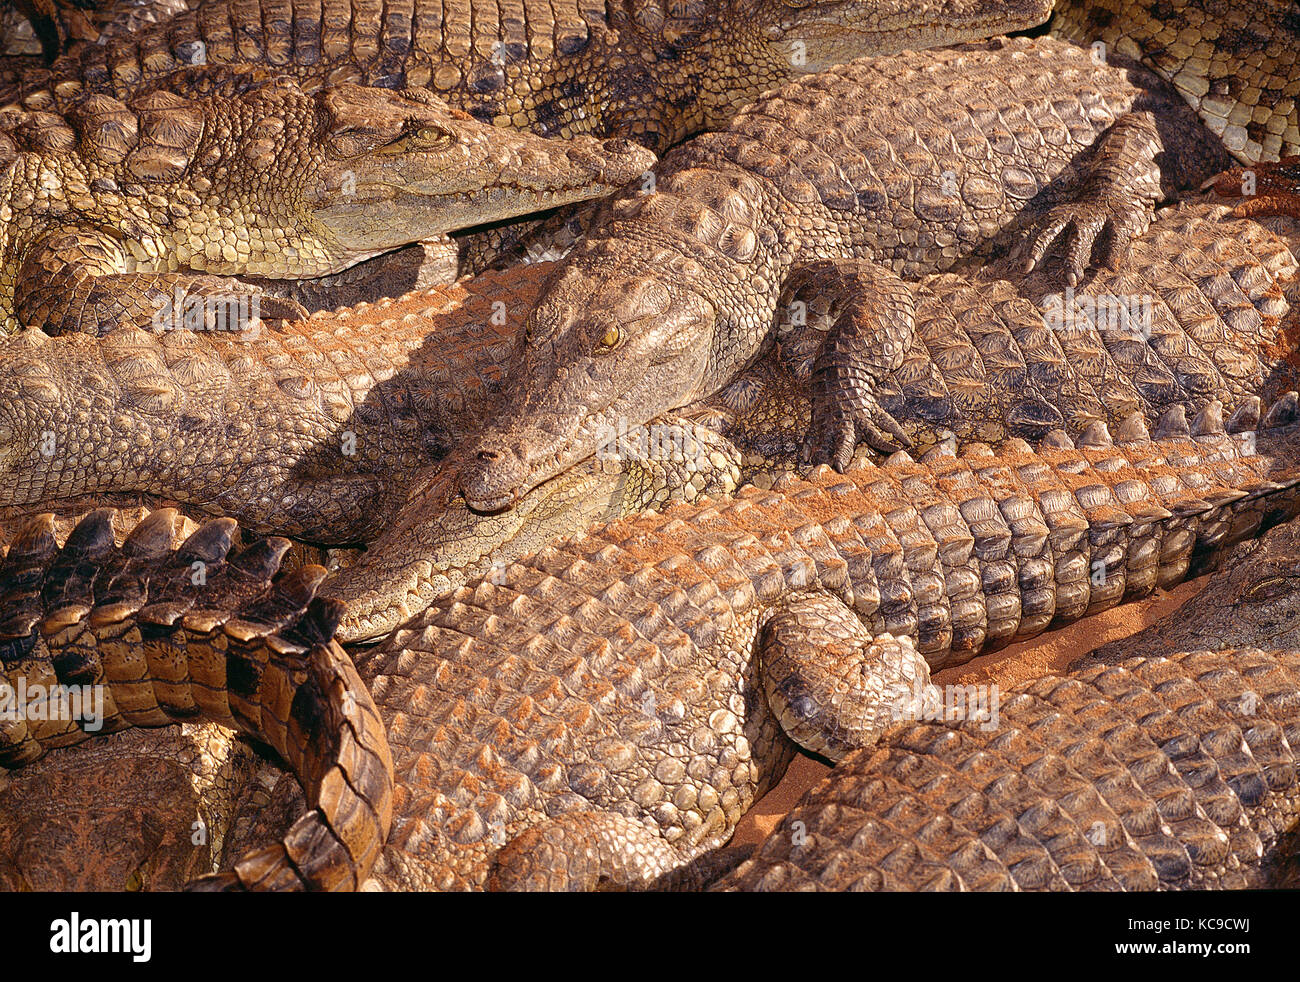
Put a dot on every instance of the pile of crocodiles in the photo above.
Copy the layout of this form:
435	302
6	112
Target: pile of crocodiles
499	437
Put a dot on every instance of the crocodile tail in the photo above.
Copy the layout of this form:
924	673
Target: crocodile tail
95	637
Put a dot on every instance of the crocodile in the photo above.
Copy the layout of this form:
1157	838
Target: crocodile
314	429
133	213
1236	63
1155	773
653	72
877	168
687	648
1207	310
635	70
97	637
601	714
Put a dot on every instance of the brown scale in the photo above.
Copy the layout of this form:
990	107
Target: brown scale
176	630
1134	776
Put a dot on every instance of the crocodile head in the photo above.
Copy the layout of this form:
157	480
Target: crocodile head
437	544
767	41
607	347
262	178
814	35
396	167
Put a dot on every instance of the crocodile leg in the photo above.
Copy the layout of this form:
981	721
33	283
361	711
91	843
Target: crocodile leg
1158	773
833	684
1123	185
74	280
872	324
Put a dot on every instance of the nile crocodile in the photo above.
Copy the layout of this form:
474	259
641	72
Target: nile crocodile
1236	63
634	686
97	637
1212	305
134	213
887	167
651	71
313	429
602	713
1151	774
636	70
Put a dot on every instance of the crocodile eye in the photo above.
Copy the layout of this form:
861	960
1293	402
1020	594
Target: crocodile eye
610	339
135	882
1269	589
431	138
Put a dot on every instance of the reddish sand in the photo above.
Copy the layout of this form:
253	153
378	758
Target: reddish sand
1048	653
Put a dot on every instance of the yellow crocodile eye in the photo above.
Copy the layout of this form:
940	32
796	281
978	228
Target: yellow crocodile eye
434	136
611	338
135	882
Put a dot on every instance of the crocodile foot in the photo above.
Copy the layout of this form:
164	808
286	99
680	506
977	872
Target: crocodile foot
1111	207
872	324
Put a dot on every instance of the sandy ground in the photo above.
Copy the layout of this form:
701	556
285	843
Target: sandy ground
1051	652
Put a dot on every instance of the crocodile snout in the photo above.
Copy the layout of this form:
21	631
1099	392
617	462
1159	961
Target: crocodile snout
491	478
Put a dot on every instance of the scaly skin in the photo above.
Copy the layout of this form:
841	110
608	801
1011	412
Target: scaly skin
989	358
621	699
877	166
1236	62
113	211
649	71
137	810
162	632
646	71
1252	599
1152	774
682	647
257	425
307	430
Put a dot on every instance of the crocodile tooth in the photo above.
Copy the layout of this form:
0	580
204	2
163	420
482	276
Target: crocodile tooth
1096	436
1172	424
1246	416
1209	421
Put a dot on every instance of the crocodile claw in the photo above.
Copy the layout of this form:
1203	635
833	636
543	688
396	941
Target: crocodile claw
1112	220
837	431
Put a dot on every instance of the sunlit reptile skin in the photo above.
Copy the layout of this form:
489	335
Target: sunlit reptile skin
650	669
1236	62
884	168
650	71
114	211
145	809
643	677
1151	774
169	632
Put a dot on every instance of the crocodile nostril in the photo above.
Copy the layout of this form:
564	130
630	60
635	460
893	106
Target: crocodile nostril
488	455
